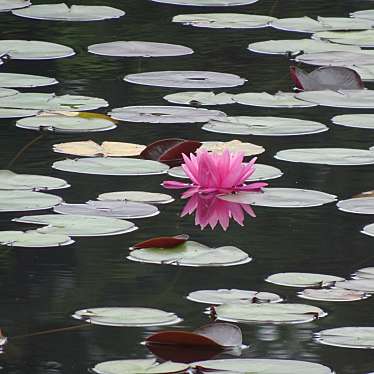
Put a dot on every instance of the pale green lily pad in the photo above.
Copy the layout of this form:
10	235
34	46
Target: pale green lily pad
34	50
268	313
111	166
347	337
18	201
327	156
63	12
146	366
368	230
362	121
248	149
6	92
33	238
362	285
366	273
62	123
191	253
13	181
356	38
332	294
25	80
263	366
17	113
361	205
282	198
137	196
264	99
224	20
265	126
127	317
306	45
75	225
262	172
303	280
7	5
223	296
207	2
198	98
367	14
366	72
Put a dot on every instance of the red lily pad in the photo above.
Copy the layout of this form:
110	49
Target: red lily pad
162	242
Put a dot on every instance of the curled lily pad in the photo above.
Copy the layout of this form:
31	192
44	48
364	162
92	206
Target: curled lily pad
367	273
282	198
191	254
139	49
63	12
268	313
248	149
207	2
364	14
356	38
111	166
7	5
146	366
347	337
327	156
34	50
224	20
12	80
362	285
106	149
186	79
337	58
303	280
137	196
75	225
278	100
332	294
164	114
368	230
360	205
262	366
197	98
127	317
223	296
33	238
162	242
13	181
265	126
18	201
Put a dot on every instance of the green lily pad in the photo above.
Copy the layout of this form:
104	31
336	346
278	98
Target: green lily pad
200	98
366	72
6	92
12	80
356	38
366	273
362	285
137	196
364	14
368	230
7	5
332	294
127	317
362	205
362	121
303	280
207	2
17	113
337	58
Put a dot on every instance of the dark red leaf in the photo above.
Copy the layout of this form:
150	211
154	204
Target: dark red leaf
162	242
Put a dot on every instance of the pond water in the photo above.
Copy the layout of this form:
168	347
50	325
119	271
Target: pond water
41	288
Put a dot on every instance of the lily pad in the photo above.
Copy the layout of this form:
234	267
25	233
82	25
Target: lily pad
139	49
17	113
207	2
362	121
356	38
76	225
264	99
248	149
137	196
111	166
361	205
367	14
263	366
268	313
282	198
303	280
34	50
6	92
332	294
186	79
33	238
366	273
264	126
368	230
13	181
164	114
12	80
7	5
362	285
327	156
18	201
114	209
197	98
145	366
347	337
127	317
191	254
63	12
224	20
106	149
223	296
366	72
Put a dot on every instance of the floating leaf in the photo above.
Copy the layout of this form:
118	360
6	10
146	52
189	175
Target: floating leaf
265	126
111	166
268	313
337	58
137	196
303	280
6	92
356	38
139	49
327	156
248	149
332	294
366	72
191	254
186	79
127	317
364	14
63	12
7	5
207	2
368	230
197	98
162	242
362	121
75	225
363	205
282	198
362	285
25	80
223	296
367	273
17	113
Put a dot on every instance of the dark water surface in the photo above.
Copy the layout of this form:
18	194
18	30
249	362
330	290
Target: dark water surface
39	289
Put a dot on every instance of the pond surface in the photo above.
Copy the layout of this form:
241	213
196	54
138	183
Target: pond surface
41	288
